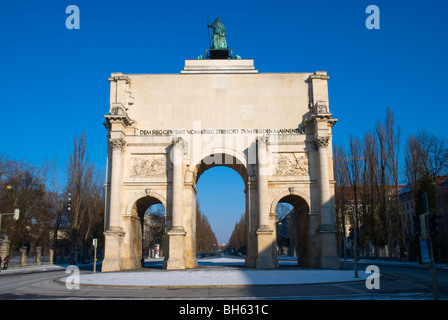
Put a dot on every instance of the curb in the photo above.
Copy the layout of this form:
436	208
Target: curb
214	286
31	269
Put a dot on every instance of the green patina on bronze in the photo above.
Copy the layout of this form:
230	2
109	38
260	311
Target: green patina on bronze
219	35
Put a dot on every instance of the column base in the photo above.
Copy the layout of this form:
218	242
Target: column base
191	263
265	258
328	258
133	263
111	264
250	262
329	262
176	251
113	260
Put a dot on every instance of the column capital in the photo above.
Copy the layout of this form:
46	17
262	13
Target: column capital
262	140
321	142
177	141
319	75
119	117
117	143
117	76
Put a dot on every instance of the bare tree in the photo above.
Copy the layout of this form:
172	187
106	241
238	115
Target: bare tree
354	170
435	154
85	189
354	173
384	214
370	188
342	192
23	187
425	154
205	237
392	135
58	194
237	240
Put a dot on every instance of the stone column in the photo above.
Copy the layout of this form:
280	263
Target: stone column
323	181
265	258
263	199
177	160
117	146
51	256
251	222
326	230
23	256
38	256
176	251
4	251
113	260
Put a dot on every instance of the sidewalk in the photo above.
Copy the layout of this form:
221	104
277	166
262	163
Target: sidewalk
42	268
33	268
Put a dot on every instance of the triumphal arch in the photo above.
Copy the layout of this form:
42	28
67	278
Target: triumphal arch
165	130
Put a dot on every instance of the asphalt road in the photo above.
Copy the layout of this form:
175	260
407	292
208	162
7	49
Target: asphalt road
396	282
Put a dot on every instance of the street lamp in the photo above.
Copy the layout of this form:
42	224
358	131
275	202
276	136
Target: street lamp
69	198
15	214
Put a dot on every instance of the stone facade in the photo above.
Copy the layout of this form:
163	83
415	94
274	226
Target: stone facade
165	130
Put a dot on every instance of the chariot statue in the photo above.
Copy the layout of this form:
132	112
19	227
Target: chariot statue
219	35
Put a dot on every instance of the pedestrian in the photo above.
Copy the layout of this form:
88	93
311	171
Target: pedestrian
0	262
6	262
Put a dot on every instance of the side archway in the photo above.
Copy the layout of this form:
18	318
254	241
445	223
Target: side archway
130	209
297	223
134	220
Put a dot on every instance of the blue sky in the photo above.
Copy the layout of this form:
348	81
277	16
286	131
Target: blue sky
56	78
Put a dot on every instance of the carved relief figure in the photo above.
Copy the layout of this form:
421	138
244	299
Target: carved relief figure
292	164
147	167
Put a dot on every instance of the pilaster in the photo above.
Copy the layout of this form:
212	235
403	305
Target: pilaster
176	258
319	124
116	256
326	230
265	257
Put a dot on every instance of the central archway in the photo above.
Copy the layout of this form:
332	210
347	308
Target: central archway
221	202
226	158
230	160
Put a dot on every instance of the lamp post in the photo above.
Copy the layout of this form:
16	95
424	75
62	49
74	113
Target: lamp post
426	231
95	245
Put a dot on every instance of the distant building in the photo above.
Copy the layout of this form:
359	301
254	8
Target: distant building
407	213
